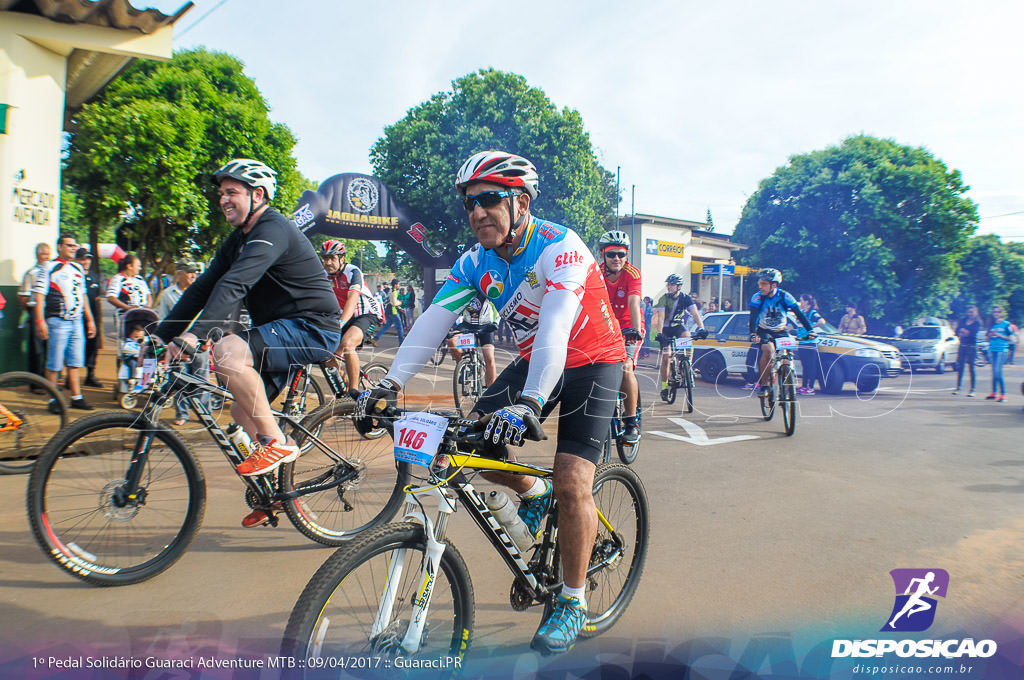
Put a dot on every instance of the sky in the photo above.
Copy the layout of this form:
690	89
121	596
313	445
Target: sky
694	103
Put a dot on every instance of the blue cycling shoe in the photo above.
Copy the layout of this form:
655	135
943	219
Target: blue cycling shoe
533	508
558	632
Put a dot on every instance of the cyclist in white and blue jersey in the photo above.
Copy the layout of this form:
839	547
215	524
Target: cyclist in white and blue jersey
544	282
768	309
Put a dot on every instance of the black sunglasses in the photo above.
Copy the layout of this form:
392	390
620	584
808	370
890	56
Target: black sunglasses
486	199
616	254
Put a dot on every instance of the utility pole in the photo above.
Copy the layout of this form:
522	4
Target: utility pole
618	175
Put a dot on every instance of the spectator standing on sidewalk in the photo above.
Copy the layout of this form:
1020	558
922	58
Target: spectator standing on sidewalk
1014	338
967	330
27	298
810	362
83	258
391	314
853	323
998	343
60	310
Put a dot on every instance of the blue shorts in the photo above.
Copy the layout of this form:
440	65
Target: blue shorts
66	345
281	344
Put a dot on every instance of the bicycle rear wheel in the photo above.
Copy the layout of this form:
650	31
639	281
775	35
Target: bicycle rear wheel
81	516
467	384
374	373
787	399
627	453
439	354
334	617
38	413
368	498
622	500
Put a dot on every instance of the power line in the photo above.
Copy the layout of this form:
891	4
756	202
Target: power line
196	22
992	217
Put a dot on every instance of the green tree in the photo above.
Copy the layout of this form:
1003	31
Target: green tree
868	220
142	153
418	156
992	273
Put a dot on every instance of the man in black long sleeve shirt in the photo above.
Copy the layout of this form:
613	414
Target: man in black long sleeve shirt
268	264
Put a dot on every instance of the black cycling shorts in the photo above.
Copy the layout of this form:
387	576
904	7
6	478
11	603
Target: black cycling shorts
367	323
767	336
670	332
279	345
587	395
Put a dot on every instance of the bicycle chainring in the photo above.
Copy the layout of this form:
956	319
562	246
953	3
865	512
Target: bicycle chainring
520	597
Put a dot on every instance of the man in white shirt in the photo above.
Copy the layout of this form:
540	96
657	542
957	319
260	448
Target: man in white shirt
27	298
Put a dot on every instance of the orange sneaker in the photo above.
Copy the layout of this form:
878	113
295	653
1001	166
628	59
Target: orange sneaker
267	459
258	518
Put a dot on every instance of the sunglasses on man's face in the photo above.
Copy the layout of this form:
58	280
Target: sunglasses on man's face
485	199
615	254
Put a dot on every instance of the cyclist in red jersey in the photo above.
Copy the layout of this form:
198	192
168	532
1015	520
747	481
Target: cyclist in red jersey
361	313
623	282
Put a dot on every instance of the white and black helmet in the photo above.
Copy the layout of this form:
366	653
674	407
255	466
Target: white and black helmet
613	238
499	167
251	173
770	275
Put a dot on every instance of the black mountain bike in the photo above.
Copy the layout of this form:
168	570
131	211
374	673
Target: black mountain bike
784	377
469	376
117	497
680	371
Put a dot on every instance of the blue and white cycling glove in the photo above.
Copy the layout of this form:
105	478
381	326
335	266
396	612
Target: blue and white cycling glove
512	424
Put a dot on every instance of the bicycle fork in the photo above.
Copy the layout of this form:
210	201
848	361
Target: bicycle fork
433	531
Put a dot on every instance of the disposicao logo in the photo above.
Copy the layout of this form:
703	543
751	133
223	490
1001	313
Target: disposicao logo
913	611
916	589
491	285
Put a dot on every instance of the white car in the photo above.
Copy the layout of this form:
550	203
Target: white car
928	347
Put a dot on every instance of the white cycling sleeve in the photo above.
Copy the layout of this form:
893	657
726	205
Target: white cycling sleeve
558	311
421	341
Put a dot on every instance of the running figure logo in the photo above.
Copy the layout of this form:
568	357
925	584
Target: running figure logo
914	609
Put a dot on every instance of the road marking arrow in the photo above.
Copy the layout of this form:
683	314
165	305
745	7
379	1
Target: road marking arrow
697	435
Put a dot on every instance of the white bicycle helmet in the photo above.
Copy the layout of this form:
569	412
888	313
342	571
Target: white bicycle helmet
613	238
251	173
499	167
770	275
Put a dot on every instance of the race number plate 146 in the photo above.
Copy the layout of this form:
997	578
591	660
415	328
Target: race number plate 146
418	436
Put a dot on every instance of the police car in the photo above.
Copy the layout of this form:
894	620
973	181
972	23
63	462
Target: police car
844	358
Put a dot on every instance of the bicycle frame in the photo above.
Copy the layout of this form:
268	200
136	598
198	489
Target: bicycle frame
261	485
448	494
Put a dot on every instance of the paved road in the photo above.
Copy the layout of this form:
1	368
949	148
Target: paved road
758	541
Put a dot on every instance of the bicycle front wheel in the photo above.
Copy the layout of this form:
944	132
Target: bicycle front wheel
347	483
673	380
467	384
686	374
360	603
787	399
86	518
34	413
620	549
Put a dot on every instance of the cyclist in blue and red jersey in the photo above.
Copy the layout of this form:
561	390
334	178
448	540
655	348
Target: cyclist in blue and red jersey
361	312
768	317
623	282
546	285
